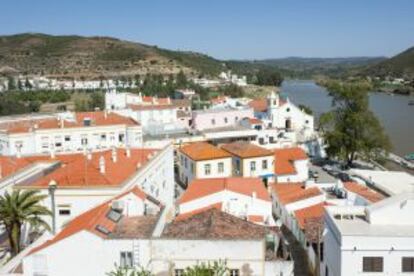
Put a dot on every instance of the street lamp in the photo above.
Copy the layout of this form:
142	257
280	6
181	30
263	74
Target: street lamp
52	189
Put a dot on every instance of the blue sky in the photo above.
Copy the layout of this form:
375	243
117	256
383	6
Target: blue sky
228	28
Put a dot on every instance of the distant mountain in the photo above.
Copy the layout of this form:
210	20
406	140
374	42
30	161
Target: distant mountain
309	67
60	56
401	65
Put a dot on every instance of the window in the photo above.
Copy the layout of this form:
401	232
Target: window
64	212
213	122
207	169
121	137
220	167
237	165
84	141
178	272
253	166
234	272
264	164
372	264
261	141
67	138
103	137
236	119
58	144
287	109
408	264
185	162
192	168
225	120
272	139
126	259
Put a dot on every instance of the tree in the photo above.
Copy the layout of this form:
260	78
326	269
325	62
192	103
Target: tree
218	268
27	84
97	100
181	79
19	208
129	271
351	130
11	83
268	77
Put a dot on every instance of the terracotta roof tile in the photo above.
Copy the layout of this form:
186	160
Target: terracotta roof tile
314	211
214	224
98	118
260	105
292	192
244	185
89	220
244	149
77	171
363	191
203	151
284	159
182	216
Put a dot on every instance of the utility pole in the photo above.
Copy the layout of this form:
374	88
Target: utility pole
52	189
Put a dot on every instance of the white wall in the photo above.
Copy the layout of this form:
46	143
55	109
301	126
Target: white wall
196	169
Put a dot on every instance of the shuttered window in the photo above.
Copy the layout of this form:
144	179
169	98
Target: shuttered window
408	264
372	264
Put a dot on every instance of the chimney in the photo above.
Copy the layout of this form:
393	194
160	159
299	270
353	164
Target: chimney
102	164
89	155
18	153
52	154
254	195
168	100
128	152
138	166
105	114
114	155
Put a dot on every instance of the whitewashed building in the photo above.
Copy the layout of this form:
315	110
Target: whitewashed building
86	180
283	114
370	240
291	165
202	160
130	230
250	160
246	198
67	132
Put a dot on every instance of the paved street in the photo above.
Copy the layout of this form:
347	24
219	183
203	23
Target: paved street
299	255
324	177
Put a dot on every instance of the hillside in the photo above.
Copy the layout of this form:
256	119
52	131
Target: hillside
401	65
77	56
310	67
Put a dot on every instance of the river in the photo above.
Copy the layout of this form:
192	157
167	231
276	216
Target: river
396	116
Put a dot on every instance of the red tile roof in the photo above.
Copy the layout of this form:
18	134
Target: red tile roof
260	105
254	121
284	159
182	216
291	192
214	224
98	118
203	151
244	149
244	185
89	220
77	171
363	191
314	211
255	218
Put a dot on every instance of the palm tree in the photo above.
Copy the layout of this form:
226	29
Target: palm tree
18	208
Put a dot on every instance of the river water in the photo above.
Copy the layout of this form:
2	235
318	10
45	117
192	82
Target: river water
396	116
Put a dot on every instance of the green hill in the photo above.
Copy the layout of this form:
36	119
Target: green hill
401	65
77	56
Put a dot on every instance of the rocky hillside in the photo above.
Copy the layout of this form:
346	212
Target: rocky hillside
401	65
77	56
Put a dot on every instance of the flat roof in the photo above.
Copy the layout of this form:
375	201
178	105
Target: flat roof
390	182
